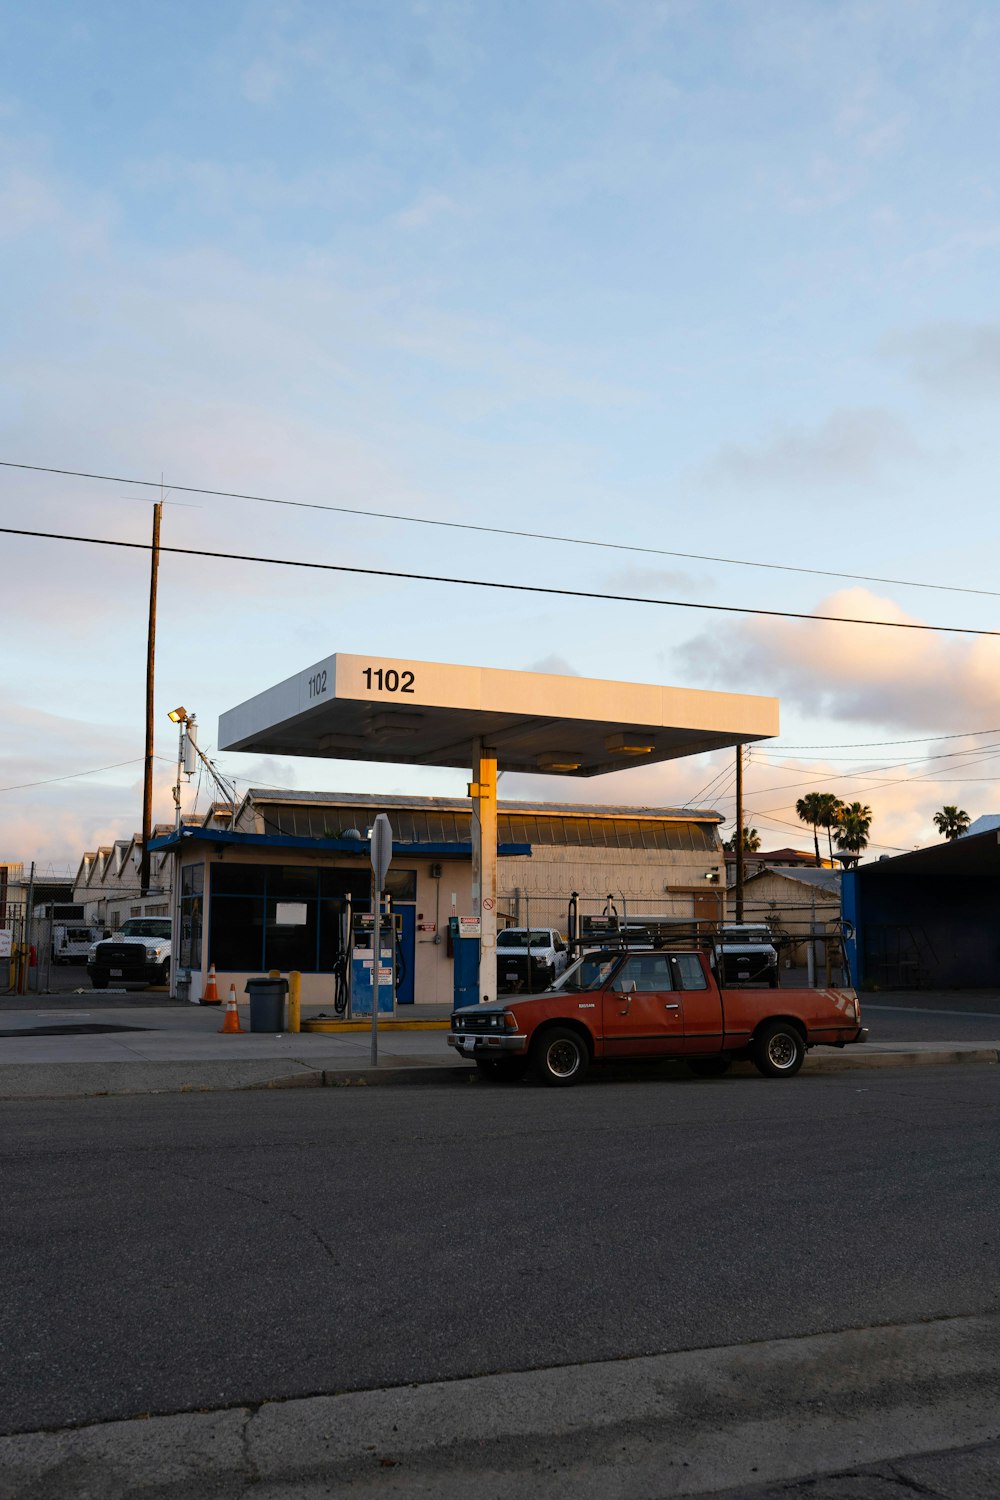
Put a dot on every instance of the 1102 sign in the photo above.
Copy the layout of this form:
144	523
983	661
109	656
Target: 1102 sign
377	679
387	680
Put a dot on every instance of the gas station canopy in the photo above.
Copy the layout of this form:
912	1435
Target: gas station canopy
430	713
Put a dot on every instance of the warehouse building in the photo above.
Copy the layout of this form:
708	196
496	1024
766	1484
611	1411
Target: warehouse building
270	889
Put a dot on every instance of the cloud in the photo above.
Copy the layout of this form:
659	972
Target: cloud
556	666
425	210
261	81
958	359
962	246
851	447
26	203
896	678
654	582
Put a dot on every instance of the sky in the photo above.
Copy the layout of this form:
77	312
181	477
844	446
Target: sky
704	279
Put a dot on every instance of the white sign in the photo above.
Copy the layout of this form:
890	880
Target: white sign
6	939
381	849
290	914
469	927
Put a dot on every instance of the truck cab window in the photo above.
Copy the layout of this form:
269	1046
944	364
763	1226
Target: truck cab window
646	972
690	974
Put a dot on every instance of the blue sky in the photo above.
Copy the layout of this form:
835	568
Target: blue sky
717	278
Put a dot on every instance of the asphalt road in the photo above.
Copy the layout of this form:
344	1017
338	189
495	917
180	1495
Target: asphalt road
166	1253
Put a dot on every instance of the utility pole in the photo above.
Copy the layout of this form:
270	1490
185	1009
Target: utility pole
739	833
147	787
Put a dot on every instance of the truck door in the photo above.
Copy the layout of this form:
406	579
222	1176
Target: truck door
642	1013
701	1005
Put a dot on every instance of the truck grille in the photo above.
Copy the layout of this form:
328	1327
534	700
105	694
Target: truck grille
129	957
490	1021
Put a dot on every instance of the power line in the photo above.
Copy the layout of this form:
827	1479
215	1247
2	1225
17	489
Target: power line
74	776
923	739
488	583
894	766
537	536
798	828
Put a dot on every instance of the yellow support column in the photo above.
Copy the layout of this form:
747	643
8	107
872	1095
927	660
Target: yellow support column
294	999
483	792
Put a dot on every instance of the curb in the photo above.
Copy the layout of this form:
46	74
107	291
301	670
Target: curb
341	1028
410	1075
698	1421
943	1058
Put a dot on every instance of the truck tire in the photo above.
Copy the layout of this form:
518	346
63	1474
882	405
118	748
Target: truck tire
559	1057
710	1067
778	1050
501	1069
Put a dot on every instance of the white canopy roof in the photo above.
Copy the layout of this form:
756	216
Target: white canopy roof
428	713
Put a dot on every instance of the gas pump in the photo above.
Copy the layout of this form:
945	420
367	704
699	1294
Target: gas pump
362	964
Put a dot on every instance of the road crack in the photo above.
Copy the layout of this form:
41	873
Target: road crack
282	1210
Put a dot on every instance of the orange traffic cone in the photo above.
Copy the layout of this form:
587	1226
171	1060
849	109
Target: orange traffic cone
231	1021
211	995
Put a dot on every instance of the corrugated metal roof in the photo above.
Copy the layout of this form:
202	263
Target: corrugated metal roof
444	821
824	880
272	796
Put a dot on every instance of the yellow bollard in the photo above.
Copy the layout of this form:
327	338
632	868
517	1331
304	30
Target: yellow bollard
294	999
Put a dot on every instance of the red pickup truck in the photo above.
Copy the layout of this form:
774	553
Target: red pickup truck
616	1004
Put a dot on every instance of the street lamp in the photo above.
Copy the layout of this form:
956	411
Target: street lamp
187	724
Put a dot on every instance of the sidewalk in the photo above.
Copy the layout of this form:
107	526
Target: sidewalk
82	1050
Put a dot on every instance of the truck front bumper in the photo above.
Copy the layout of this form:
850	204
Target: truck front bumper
126	974
481	1044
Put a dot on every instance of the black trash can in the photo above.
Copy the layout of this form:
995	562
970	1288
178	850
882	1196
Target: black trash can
267	1003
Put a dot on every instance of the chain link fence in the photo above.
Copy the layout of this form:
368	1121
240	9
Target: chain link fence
808	935
26	953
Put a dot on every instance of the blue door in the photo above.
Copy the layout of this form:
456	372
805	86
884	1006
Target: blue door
408	953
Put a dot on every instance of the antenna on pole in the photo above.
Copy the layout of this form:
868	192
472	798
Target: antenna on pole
147	784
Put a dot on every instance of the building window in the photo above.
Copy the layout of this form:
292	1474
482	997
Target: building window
192	908
286	916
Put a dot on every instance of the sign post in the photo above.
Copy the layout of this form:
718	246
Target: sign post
381	843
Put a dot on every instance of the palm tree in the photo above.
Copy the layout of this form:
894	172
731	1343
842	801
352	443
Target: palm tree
751	841
852	828
811	809
951	821
832	807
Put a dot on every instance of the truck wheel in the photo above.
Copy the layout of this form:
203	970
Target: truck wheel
778	1050
559	1057
501	1069
165	974
710	1067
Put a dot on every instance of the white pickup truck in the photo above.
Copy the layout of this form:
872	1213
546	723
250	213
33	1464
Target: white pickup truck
71	942
529	959
139	953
